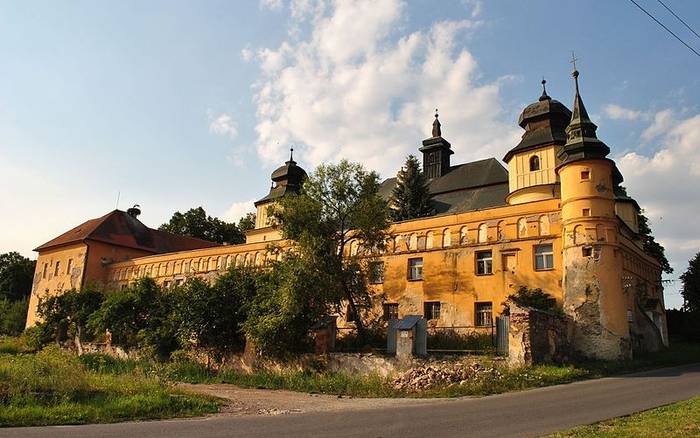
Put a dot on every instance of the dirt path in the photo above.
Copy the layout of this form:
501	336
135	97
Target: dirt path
243	401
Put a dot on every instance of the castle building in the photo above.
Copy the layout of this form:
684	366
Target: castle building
556	219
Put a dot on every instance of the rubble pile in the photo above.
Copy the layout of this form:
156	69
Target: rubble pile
441	374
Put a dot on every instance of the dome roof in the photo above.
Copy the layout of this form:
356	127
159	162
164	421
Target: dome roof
289	171
544	123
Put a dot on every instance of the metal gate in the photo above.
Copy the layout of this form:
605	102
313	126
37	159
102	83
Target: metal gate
502	324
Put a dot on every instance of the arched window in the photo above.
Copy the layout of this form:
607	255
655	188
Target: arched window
446	238
534	163
429	240
544	225
522	227
483	233
464	235
413	242
501	231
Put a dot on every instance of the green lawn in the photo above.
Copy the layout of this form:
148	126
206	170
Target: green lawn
676	420
54	387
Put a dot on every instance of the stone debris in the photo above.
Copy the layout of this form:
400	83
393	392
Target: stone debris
442	374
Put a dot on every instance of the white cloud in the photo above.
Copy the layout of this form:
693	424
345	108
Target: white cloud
354	88
617	112
247	54
274	5
665	183
237	210
223	124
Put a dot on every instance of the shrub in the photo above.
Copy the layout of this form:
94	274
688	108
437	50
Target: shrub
452	340
66	315
534	298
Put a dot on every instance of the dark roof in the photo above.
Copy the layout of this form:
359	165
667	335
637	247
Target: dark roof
544	122
287	179
466	187
408	321
119	228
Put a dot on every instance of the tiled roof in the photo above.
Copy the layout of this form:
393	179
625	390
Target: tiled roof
119	228
466	187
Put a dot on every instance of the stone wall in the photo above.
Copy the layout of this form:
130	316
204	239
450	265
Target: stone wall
536	336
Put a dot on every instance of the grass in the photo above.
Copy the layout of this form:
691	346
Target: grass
54	387
675	420
504	379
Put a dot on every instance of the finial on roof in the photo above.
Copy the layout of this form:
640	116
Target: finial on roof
575	72
291	155
437	132
544	95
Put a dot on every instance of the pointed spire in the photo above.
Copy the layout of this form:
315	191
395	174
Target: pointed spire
544	91
291	156
581	139
437	132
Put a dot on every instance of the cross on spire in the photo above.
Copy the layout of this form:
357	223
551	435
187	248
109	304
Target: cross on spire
573	59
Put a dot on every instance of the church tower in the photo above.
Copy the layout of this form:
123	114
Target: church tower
436	152
592	283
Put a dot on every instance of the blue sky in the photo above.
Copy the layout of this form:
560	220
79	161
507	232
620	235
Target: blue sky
175	104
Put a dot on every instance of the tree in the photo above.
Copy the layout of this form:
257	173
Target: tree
13	316
138	316
651	246
287	302
691	285
211	317
337	203
196	223
411	196
16	276
67	314
247	222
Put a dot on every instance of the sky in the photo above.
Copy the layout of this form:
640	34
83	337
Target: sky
176	104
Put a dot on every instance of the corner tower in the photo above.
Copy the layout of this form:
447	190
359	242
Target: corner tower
592	283
532	163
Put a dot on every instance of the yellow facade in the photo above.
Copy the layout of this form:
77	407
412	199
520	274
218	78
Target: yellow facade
560	228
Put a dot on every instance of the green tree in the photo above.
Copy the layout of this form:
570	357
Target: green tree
410	197
651	246
196	223
337	203
211	317
67	314
691	285
247	222
287	302
16	276
13	316
138	316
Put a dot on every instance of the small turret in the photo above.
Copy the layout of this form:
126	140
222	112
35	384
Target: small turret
436	152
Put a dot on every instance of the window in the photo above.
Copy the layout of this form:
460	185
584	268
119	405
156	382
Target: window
179	282
46	270
484	263
69	268
376	272
544	257
484	315
587	251
431	310
586	212
415	269
166	284
56	269
534	163
483	233
585	175
391	311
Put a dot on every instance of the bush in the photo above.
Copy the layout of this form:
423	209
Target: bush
36	337
534	298
13	316
452	340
